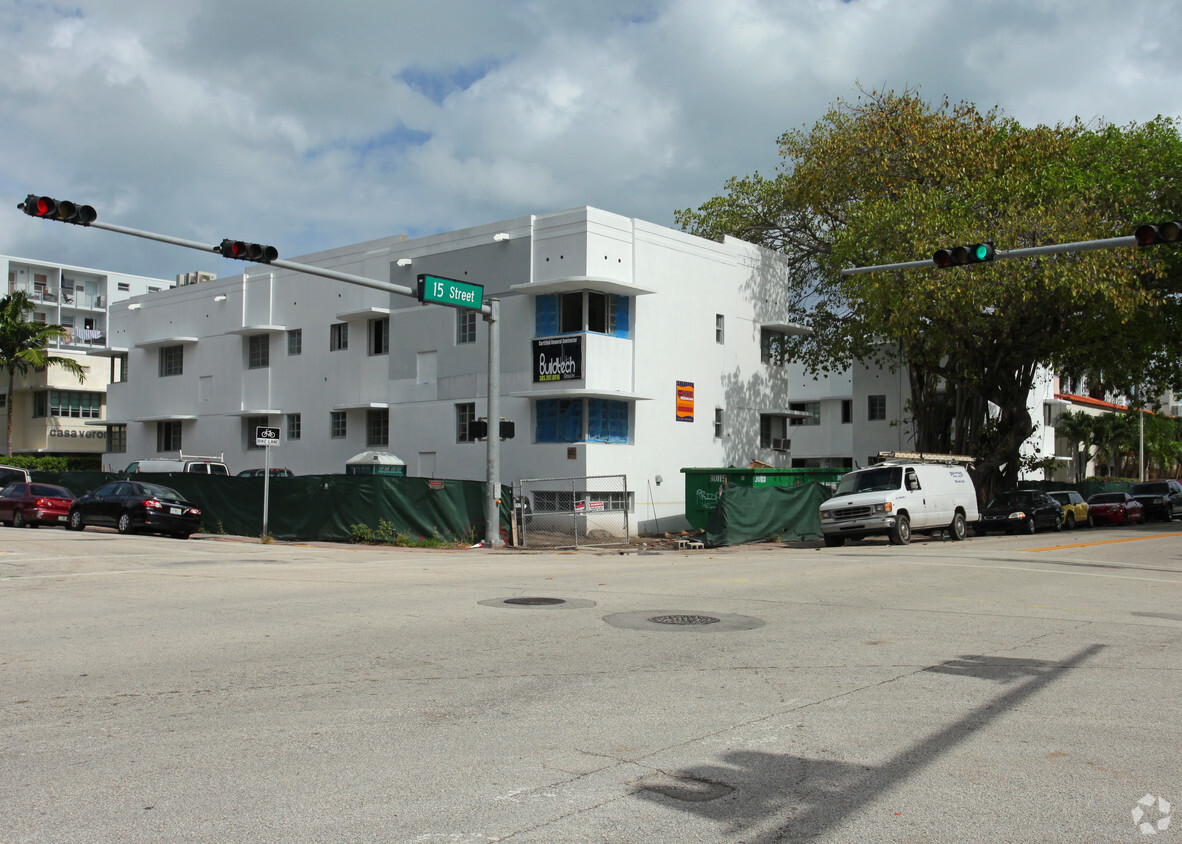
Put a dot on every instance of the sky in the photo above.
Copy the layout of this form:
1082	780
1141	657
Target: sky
311	125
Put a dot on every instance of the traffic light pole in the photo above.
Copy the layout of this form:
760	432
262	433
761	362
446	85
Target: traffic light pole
490	310
1053	249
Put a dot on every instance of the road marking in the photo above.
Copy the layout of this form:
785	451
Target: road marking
1023	606
1100	542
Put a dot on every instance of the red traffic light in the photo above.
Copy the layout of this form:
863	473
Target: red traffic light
65	211
1153	233
973	253
248	251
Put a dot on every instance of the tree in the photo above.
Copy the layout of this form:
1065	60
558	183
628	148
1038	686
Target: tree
1076	428
890	178
24	346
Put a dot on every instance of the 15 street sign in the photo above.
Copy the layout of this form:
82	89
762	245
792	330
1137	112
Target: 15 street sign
436	290
266	436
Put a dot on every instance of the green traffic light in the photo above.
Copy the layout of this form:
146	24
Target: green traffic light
981	252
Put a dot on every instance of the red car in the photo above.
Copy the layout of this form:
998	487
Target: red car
33	505
1115	508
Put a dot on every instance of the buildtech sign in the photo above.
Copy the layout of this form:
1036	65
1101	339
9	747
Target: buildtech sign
558	358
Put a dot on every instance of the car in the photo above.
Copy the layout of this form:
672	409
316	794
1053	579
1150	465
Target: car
132	506
190	463
1020	511
1161	499
1115	508
9	474
258	473
1075	509
24	504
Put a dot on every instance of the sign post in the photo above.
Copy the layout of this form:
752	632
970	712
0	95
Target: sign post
266	437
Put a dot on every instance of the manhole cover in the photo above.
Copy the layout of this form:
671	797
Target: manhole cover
684	619
535	602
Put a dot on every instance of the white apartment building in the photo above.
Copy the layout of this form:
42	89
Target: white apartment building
627	348
52	408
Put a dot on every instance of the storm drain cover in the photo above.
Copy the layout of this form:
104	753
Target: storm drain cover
681	618
535	602
688	621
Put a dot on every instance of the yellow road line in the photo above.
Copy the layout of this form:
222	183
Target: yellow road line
1101	542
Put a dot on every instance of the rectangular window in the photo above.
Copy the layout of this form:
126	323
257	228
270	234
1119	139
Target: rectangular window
847	411
40	405
772	430
812	408
117	439
250	423
377	427
72	404
465	326
172	360
293	426
259	352
719	329
585	310
379	336
566	501
338	336
607	421
339	422
295	342
718	423
877	408
465	413
123	287
558	420
168	436
772	347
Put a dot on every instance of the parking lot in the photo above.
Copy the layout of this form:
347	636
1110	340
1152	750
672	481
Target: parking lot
999	689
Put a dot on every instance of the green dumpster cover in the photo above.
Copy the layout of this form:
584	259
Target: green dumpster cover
752	514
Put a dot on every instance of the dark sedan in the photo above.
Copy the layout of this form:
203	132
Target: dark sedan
1020	511
1115	508
136	506
24	504
1161	499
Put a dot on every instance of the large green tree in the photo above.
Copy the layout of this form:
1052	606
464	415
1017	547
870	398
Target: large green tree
889	178
24	345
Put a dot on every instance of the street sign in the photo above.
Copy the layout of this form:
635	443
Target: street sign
266	436
436	290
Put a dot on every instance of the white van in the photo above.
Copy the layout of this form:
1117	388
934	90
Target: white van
897	498
183	463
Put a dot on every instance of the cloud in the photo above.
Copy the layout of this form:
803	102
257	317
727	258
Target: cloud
314	125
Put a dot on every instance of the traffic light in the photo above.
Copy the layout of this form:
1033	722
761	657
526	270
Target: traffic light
477	429
973	253
64	211
508	429
248	251
1152	233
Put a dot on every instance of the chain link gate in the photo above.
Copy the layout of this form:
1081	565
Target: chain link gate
572	512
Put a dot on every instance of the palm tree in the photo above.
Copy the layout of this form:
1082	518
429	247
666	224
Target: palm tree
24	344
1076	427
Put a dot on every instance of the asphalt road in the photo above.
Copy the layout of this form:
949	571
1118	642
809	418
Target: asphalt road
1001	689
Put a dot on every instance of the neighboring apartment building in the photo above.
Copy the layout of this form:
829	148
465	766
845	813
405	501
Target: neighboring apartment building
52	409
627	348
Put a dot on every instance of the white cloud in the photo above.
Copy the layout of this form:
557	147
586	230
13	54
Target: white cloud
315	125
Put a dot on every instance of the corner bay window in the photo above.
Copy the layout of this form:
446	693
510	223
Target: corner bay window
68	404
578	420
584	310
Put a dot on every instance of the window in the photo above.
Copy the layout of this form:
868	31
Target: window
877	408
74	404
847	411
465	326
295	342
585	310
562	420
119	364
465	413
773	347
168	436
293	426
772	428
379	336
123	287
718	423
377	427
117	439
172	360
339	429
812	408
338	336
251	423
259	352
719	332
